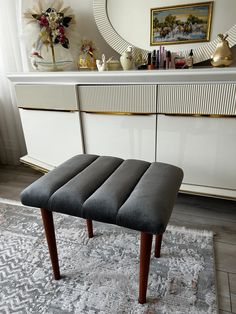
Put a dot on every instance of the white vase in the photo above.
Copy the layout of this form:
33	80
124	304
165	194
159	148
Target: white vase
126	59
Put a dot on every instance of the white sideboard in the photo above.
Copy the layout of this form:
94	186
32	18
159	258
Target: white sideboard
183	117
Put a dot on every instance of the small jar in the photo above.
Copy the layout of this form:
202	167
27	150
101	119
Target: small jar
113	64
180	62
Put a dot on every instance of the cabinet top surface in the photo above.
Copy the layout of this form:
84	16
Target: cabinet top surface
200	75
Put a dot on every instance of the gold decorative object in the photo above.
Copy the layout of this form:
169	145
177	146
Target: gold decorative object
87	60
223	55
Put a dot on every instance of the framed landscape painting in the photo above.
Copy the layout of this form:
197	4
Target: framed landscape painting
181	24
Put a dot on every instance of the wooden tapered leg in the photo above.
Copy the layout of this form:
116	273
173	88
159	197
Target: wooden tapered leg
145	254
90	227
158	245
51	240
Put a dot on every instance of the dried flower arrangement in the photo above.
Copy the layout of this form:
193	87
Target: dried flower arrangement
53	20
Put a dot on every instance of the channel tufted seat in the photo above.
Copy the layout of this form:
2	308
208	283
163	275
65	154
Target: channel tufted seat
130	193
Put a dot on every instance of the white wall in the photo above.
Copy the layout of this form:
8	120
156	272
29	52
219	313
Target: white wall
87	27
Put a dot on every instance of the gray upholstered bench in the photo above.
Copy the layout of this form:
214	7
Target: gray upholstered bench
130	193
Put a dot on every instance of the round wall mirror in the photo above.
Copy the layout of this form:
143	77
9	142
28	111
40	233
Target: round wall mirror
128	23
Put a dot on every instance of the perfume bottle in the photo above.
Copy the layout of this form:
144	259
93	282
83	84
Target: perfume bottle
190	59
151	60
168	59
154	58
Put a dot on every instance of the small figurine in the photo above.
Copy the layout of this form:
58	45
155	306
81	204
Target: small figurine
35	54
102	64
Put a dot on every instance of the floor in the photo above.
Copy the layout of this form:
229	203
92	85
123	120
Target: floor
191	211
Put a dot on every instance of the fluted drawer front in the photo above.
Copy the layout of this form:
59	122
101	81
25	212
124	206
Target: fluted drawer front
48	96
118	98
218	99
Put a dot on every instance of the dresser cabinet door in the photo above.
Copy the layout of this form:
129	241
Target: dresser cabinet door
125	136
51	136
204	147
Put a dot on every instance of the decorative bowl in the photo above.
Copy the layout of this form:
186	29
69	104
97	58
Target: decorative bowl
113	65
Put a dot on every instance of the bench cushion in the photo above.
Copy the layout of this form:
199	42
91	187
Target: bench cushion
131	193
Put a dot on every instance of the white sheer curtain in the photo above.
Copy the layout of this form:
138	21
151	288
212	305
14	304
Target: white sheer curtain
12	145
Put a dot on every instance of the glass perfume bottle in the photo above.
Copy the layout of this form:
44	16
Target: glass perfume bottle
190	59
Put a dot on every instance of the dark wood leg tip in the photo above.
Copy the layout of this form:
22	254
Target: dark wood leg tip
157	255
157	252
90	235
51	240
90	228
145	254
57	277
142	301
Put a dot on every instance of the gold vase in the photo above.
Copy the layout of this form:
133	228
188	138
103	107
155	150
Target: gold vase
222	55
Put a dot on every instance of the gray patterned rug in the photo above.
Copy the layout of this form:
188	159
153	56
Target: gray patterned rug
100	275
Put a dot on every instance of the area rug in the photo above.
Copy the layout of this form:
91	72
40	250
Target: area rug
100	275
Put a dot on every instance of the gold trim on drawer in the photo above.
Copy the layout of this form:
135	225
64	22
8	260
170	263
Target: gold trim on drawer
117	113
198	115
43	109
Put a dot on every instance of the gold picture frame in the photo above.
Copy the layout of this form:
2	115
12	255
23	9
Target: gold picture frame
181	24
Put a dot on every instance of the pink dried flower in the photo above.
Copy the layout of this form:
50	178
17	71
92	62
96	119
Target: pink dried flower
61	30
43	21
